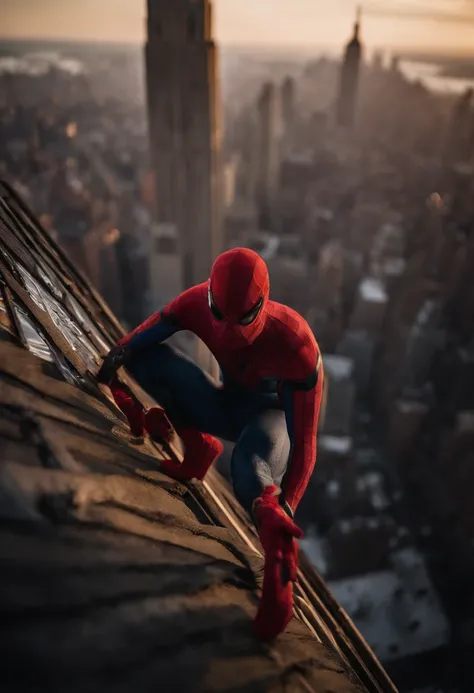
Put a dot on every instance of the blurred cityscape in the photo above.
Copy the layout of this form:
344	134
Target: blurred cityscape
355	182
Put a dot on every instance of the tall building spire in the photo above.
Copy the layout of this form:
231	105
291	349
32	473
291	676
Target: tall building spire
358	20
355	40
349	80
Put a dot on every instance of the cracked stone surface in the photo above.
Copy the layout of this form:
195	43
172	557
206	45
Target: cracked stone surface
109	578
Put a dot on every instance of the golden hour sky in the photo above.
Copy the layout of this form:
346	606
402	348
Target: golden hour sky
289	23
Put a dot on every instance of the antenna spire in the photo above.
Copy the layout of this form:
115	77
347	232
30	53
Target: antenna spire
357	21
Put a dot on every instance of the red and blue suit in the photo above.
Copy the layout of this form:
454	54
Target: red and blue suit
267	404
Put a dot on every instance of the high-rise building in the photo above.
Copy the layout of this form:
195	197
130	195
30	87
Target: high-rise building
378	60
347	98
460	138
268	153
395	63
185	135
288	105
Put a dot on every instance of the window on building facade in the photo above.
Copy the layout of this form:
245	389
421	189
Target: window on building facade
31	334
16	320
57	301
64	322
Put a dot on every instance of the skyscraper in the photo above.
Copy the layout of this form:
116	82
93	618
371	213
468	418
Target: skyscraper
185	136
288	105
460	133
346	102
268	154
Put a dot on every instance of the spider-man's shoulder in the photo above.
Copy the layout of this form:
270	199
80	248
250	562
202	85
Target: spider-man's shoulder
289	325
292	338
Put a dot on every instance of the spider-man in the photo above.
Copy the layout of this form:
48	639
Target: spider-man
268	404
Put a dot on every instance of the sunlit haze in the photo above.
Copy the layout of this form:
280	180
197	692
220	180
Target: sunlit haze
286	23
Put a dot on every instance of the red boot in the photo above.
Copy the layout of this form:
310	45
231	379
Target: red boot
277	533
201	451
158	426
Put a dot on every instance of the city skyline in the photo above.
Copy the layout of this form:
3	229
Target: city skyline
268	23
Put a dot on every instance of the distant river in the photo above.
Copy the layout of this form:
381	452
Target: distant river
432	78
39	64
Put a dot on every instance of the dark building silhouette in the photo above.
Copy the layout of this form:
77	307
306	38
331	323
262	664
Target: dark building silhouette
460	136
346	101
185	142
185	133
268	154
288	105
378	60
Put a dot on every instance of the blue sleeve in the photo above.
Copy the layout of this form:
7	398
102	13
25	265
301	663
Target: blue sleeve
157	331
154	335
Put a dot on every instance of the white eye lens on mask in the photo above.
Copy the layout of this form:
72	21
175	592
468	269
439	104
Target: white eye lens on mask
214	309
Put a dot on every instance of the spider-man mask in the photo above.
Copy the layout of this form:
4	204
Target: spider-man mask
238	293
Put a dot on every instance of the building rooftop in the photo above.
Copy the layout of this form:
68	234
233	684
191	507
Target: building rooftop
340	445
372	290
397	610
264	243
114	576
338	367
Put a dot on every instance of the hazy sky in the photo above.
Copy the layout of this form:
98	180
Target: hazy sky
255	22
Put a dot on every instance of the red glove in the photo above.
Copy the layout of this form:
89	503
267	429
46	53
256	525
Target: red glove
130	406
201	451
277	533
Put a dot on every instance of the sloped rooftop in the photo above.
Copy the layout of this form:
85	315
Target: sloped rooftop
113	576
